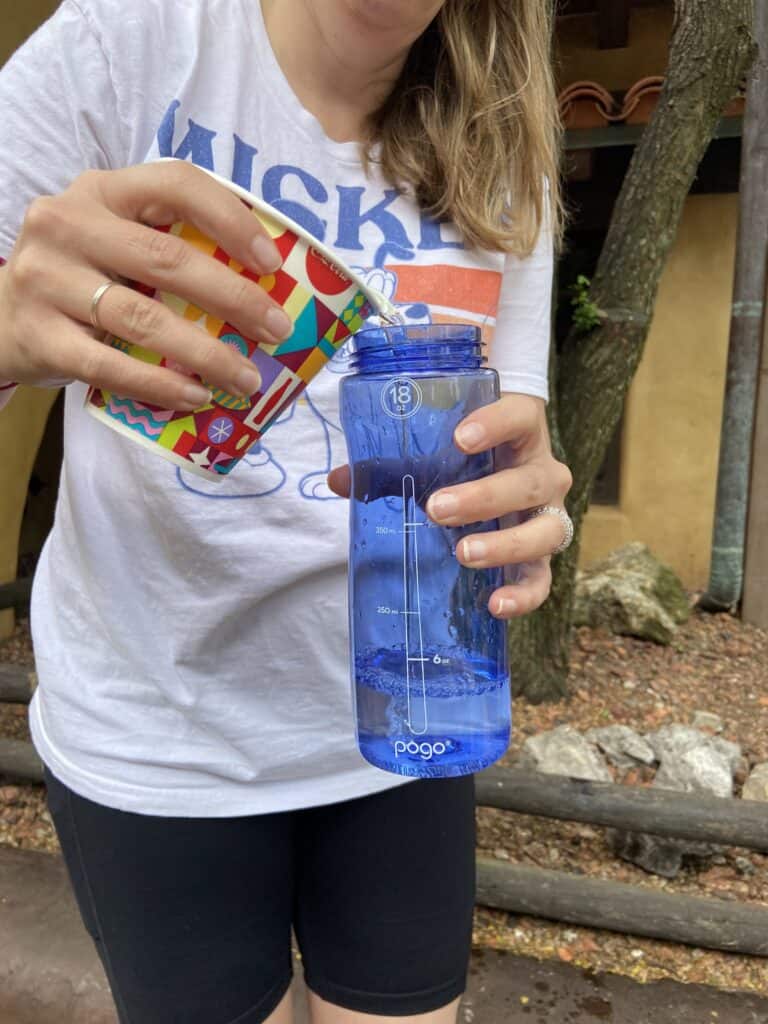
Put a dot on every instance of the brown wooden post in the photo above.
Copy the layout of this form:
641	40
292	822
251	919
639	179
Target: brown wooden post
726	574
613	24
755	600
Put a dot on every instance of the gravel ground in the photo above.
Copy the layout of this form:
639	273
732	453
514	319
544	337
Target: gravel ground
715	664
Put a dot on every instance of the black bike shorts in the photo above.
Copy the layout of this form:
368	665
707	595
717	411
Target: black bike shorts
192	917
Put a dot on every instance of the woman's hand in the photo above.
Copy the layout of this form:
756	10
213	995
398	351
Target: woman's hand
516	426
73	243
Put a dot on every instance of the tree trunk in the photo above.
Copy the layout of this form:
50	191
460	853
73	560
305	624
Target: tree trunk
710	52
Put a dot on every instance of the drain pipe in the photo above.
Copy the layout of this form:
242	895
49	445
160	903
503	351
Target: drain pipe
729	536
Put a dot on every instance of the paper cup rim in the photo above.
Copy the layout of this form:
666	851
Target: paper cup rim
380	302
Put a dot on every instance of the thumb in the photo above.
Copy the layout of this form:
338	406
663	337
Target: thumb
339	481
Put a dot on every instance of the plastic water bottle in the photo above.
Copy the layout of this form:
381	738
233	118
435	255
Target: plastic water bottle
429	661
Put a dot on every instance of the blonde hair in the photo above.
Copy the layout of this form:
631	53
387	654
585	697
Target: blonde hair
472	126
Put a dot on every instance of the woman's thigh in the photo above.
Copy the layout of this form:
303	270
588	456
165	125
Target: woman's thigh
384	901
191	916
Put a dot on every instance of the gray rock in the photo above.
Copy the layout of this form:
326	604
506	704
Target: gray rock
756	786
731	751
691	761
698	769
707	720
744	866
563	751
621	745
671	742
631	593
655	855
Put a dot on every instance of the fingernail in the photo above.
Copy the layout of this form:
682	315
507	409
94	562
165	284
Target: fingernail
474	550
506	606
471	435
278	323
442	506
196	395
265	255
247	382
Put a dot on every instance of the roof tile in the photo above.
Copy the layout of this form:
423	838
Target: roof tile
587	104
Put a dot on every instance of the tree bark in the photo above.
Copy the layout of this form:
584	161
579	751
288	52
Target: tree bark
711	50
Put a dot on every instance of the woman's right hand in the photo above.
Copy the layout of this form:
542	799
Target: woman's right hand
97	230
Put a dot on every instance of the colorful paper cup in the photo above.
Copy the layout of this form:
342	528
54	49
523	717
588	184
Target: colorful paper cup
327	304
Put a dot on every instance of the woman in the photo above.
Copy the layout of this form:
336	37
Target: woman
193	710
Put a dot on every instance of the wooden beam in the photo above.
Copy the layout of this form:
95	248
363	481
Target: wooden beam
15	594
17	683
19	761
709	819
755	601
630	134
566	8
613	24
755	593
631	909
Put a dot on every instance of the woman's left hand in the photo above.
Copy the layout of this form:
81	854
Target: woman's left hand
515	425
529	477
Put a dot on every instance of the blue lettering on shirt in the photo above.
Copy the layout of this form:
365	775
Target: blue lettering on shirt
351	218
197	145
242	163
271	187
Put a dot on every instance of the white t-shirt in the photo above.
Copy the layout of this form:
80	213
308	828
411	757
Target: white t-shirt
191	637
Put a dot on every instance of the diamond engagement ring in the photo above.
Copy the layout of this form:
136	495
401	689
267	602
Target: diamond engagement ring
564	518
98	295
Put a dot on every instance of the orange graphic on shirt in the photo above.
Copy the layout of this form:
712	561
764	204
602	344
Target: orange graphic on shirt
459	288
453	294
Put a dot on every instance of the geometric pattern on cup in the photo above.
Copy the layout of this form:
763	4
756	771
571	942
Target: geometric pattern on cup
326	307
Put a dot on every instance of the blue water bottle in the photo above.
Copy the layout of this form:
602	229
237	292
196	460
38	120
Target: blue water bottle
429	661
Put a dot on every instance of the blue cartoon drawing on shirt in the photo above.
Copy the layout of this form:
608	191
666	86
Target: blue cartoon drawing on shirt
275	462
306	426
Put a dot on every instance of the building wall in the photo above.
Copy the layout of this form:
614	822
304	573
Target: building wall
23	422
18	20
672	420
672	427
579	58
21	429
